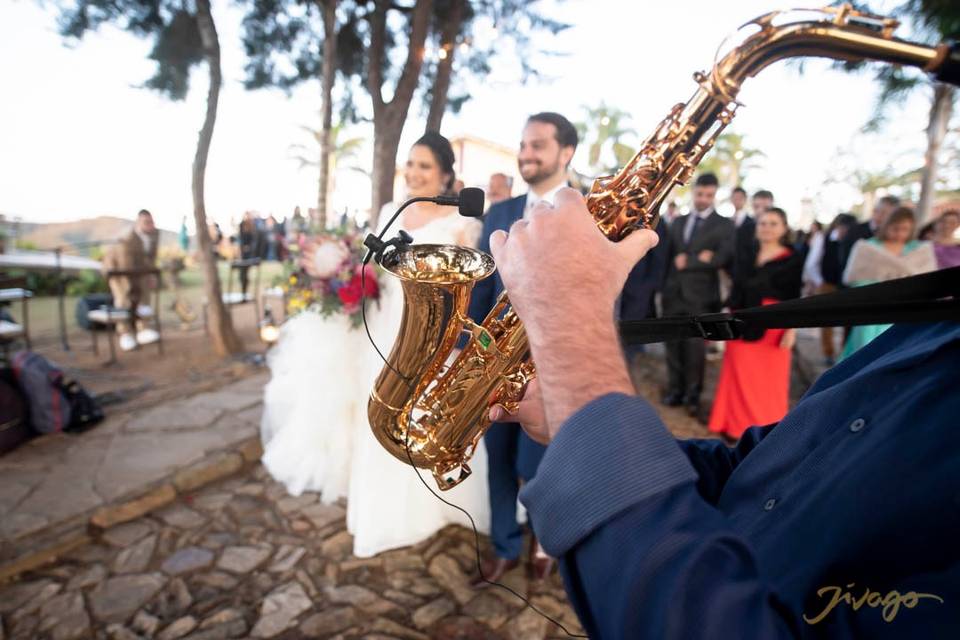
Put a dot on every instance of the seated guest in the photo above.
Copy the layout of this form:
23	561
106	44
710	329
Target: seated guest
755	376
945	243
840	521
137	250
891	254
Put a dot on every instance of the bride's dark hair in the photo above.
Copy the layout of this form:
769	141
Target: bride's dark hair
443	154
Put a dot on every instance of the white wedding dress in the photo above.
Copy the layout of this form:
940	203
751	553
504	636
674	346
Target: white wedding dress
315	430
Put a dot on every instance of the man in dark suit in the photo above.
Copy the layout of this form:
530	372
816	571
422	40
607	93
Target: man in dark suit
547	146
636	301
746	224
701	243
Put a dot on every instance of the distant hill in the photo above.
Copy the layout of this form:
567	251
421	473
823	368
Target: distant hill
101	228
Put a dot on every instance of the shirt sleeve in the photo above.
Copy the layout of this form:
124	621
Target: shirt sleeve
643	554
714	461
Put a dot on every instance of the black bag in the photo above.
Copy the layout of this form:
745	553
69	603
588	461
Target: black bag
88	303
56	404
85	411
14	420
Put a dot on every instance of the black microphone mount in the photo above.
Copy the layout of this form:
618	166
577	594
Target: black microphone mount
469	201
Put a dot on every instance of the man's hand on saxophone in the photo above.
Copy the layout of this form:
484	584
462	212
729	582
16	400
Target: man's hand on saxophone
563	277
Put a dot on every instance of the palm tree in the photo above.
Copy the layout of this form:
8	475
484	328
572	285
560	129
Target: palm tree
605	126
730	159
933	21
341	151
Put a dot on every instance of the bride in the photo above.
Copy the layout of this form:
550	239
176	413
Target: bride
315	430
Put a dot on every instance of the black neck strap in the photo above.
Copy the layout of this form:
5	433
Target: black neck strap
929	297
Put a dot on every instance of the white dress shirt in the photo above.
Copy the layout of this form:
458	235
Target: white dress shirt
533	198
146	240
739	217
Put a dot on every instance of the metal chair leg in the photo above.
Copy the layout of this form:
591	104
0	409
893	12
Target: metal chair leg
112	338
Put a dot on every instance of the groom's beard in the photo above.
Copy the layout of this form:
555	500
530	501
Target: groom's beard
541	172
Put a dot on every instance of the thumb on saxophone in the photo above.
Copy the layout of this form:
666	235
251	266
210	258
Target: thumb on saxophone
637	244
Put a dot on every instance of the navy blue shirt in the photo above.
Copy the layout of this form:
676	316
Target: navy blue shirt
853	495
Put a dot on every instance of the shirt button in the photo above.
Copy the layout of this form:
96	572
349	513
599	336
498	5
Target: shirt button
769	504
857	424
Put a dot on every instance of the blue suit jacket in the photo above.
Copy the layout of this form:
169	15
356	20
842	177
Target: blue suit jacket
645	279
857	488
500	216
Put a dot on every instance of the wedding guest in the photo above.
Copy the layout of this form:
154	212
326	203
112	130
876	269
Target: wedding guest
831	273
671	213
866	230
891	254
547	145
755	374
701	242
644	282
945	242
745	231
500	188
135	251
787	535
183	238
247	236
738	198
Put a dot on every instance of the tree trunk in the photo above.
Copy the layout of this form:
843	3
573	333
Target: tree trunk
329	8
389	117
448	43
224	338
386	143
940	112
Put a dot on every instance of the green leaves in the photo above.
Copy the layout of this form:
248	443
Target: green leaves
177	48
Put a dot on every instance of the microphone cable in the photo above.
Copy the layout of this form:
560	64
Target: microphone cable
411	386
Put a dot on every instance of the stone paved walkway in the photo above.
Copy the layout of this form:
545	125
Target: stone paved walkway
240	558
61	478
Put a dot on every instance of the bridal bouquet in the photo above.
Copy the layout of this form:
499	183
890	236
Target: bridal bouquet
329	277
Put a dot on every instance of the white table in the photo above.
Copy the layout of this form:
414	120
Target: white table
46	261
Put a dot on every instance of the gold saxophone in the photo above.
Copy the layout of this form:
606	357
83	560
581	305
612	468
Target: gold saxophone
433	415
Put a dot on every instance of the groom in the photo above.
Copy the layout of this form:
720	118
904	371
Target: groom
548	144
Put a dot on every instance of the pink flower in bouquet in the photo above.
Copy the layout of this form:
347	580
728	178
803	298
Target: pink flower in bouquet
325	258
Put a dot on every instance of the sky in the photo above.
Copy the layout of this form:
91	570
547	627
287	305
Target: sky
78	138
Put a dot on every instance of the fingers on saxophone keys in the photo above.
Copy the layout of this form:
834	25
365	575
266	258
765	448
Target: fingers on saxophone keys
497	239
518	226
568	196
541	208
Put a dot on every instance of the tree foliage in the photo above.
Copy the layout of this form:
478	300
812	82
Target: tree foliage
176	37
283	42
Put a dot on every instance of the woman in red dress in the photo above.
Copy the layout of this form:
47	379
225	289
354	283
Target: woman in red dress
755	375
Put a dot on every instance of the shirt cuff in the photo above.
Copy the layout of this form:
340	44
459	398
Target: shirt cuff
608	456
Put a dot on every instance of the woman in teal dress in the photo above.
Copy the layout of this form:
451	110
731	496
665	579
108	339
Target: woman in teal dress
891	254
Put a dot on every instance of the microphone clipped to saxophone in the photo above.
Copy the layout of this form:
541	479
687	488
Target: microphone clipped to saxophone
433	413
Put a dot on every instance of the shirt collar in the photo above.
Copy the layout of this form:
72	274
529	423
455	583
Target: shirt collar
533	198
702	214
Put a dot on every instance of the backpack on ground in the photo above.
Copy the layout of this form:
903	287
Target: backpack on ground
55	403
14	420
